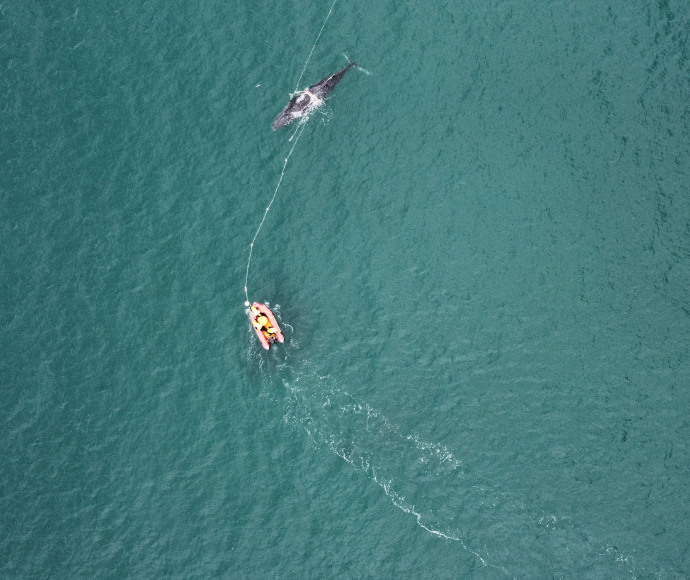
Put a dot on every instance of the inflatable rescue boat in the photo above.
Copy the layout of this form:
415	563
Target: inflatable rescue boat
265	325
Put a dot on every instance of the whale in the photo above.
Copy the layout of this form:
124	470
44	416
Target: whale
309	99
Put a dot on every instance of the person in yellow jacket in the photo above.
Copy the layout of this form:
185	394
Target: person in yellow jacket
262	322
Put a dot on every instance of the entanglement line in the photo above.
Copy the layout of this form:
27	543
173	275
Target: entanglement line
268	208
313	47
298	132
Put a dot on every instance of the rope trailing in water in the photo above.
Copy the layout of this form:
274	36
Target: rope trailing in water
297	132
315	43
275	193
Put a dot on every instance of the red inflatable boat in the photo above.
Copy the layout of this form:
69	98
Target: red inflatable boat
265	325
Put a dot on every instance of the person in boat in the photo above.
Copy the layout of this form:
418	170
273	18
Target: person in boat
261	322
264	326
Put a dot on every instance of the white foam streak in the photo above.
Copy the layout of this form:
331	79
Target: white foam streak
368	442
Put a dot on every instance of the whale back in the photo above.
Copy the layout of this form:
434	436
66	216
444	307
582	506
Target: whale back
309	99
325	86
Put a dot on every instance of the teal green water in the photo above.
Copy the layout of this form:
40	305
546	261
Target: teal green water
479	254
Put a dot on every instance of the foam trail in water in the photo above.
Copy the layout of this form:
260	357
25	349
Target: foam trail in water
403	465
448	499
426	480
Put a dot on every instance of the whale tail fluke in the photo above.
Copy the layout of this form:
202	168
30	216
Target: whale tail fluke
353	64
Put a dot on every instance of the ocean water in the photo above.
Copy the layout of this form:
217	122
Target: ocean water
479	253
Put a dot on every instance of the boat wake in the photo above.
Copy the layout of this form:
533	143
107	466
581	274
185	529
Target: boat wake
426	480
415	474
